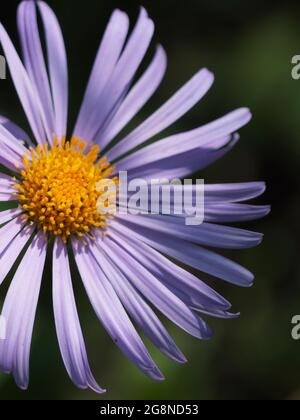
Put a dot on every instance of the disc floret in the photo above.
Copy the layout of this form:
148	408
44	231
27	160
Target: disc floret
58	187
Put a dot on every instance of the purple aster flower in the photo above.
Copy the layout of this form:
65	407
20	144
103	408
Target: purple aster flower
125	262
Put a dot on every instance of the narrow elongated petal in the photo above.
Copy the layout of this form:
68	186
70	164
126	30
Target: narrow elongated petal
7	163
9	158
171	111
187	163
26	91
138	308
7	215
107	57
233	192
12	251
58	68
205	234
233	212
5	197
160	296
217	313
119	83
67	323
11	142
136	98
6	190
15	130
19	312
206	137
34	58
176	278
6	186
112	314
5	178
196	257
9	231
4	200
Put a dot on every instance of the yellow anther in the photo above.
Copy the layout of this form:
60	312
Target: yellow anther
58	190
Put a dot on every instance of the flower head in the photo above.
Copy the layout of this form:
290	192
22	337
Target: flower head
125	261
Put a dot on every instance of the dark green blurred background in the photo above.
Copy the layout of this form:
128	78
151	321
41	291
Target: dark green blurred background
248	45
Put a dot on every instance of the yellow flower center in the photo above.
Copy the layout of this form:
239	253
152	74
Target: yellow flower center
58	188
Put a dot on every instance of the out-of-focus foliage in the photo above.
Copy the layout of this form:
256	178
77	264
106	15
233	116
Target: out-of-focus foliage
249	45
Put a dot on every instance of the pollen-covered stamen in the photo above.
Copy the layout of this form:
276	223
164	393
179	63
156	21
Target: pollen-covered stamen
58	188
